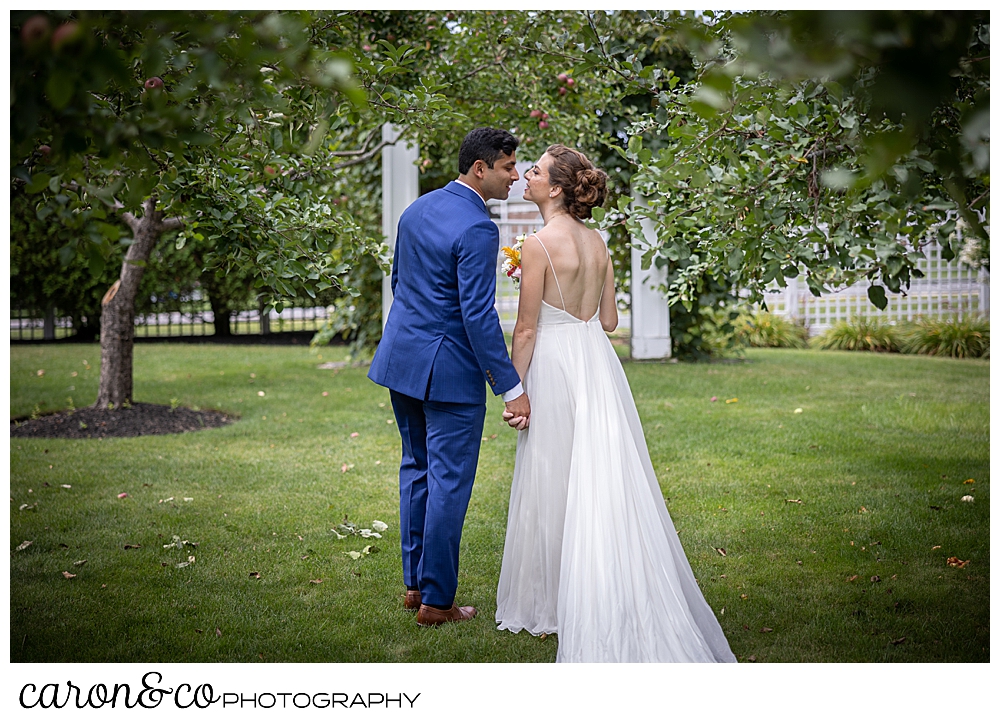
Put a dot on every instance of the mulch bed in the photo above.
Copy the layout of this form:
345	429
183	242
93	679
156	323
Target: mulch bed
138	420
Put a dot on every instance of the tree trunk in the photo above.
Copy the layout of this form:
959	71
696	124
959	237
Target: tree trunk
265	319
49	324
118	307
222	317
220	303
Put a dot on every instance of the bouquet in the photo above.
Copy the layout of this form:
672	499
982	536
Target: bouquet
512	264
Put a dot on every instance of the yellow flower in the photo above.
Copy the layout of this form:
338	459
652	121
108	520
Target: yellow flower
513	255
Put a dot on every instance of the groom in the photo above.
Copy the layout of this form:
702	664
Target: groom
441	340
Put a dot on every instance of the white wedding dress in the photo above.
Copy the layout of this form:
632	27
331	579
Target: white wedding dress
591	553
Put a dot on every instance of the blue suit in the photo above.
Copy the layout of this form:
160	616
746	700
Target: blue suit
441	340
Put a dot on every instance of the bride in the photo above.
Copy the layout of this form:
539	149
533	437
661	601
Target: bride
591	553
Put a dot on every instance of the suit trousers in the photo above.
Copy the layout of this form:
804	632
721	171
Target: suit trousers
440	453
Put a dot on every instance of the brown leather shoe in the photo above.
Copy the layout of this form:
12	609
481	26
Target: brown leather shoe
412	600
429	617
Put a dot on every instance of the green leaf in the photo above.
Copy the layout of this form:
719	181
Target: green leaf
95	260
876	295
597	213
59	88
39	182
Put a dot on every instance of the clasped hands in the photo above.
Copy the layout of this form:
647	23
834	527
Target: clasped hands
518	412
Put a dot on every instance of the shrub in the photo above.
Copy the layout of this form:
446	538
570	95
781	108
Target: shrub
764	329
964	338
859	334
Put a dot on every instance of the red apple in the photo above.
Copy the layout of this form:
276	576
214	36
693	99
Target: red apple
570	82
270	171
545	116
45	150
451	16
66	34
543	125
535	113
154	83
562	77
366	48
562	90
35	30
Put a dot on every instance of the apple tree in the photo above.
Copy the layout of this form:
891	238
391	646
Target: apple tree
226	128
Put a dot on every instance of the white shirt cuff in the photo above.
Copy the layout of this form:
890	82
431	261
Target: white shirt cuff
513	394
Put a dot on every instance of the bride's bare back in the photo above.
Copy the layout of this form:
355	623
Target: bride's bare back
565	265
577	267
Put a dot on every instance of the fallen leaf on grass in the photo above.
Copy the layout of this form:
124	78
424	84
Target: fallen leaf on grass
898	640
936	547
967	498
123	495
66	487
68	575
969	481
24	545
732	401
752	659
875	578
955	562
198	630
255	575
797	502
743	596
767	630
720	550
863	509
543	636
132	547
218	633
353	554
852	578
316	581
79	563
344	467
798	411
354	434
379	526
26	506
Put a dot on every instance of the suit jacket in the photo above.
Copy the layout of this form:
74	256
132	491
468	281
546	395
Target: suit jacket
443	335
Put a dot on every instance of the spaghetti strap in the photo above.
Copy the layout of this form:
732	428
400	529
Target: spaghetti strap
554	277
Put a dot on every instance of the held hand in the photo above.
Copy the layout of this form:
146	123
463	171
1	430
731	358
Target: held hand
518	423
518	412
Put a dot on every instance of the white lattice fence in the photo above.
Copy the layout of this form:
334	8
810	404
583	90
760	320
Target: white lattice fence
512	223
948	289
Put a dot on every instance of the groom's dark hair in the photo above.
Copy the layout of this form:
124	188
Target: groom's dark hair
487	145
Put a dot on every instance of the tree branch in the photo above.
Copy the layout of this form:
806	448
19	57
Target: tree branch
173	223
132	221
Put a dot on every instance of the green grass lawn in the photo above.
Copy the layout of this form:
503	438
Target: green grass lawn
837	521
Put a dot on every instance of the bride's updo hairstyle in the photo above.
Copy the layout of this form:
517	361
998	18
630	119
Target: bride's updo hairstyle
583	185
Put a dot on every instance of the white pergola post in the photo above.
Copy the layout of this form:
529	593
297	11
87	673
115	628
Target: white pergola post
650	312
400	188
